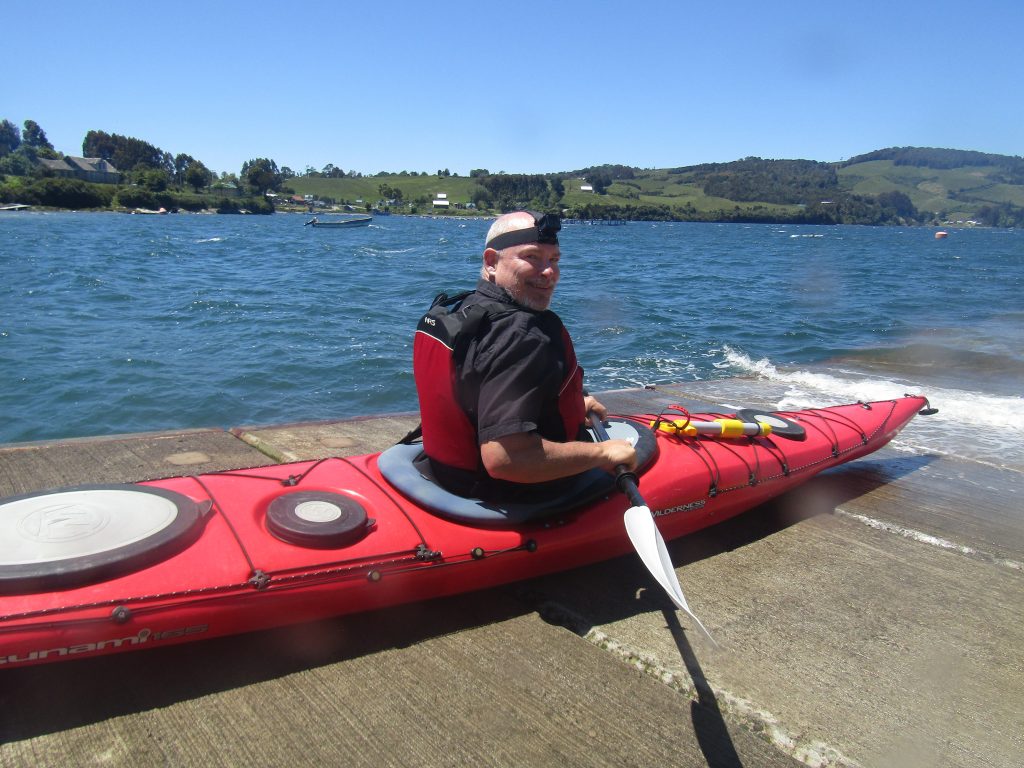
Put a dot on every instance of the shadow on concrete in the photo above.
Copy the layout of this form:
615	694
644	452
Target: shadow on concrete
708	722
55	697
821	495
604	593
709	726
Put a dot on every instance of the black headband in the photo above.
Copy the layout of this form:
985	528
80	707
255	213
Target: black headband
544	230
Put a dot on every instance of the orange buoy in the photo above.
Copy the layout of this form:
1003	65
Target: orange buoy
940	235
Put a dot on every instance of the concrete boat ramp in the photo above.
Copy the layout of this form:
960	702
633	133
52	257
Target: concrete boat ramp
873	618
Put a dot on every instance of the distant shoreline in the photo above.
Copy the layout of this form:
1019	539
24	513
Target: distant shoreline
900	186
484	216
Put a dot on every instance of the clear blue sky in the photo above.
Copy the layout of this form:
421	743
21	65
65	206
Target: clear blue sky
527	87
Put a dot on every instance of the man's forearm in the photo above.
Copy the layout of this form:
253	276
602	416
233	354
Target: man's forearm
528	458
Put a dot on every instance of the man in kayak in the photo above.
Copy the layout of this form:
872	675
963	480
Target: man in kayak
501	395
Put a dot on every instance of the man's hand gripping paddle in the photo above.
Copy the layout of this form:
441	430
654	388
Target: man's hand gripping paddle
646	538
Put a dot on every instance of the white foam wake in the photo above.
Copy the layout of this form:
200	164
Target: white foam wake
971	424
811	389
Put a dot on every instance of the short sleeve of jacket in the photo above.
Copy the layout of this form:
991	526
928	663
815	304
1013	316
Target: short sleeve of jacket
519	369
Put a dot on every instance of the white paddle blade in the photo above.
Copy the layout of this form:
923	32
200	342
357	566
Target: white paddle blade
650	545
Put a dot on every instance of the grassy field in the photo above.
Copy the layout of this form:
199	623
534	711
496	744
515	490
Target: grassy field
660	188
458	188
960	190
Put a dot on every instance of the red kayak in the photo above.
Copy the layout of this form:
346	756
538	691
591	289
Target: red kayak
102	569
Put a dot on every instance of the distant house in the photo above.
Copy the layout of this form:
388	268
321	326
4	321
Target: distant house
586	188
94	169
57	167
442	201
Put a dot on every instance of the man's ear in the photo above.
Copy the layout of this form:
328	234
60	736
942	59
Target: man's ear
490	260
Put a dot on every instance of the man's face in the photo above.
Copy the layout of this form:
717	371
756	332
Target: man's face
528	272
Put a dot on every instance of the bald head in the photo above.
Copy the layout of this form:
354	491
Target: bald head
509	222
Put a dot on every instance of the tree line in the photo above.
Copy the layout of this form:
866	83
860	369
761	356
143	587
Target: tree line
150	177
784	182
941	159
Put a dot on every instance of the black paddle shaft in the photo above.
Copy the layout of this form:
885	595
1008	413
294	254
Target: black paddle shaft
626	481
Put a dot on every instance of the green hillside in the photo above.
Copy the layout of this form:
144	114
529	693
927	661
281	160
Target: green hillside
909	185
960	191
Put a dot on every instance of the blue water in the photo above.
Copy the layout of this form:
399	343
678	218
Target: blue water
114	324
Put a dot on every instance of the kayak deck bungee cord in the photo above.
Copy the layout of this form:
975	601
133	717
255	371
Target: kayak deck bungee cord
100	569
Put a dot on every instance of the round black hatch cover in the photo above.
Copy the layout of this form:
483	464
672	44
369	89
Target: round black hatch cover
317	519
780	425
75	536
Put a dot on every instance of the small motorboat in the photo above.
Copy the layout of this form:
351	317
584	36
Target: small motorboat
351	221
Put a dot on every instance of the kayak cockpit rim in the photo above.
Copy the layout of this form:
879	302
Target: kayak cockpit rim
398	466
